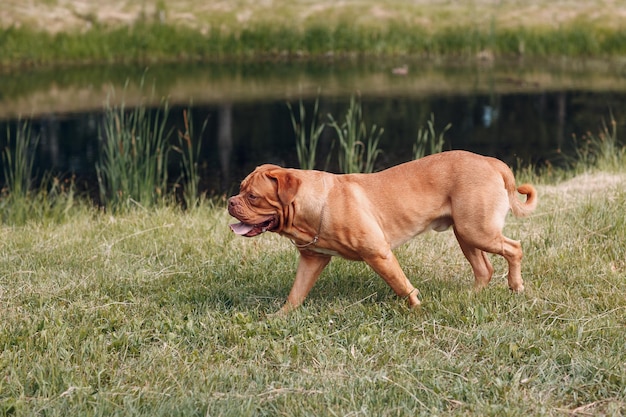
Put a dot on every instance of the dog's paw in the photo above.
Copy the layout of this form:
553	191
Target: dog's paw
413	302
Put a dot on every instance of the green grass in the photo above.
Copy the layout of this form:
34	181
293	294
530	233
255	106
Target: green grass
164	313
188	30
148	42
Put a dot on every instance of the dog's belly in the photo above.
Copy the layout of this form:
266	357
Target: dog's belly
439	224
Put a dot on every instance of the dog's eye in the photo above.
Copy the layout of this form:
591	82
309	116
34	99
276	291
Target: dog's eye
252	197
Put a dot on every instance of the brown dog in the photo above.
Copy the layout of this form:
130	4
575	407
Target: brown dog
365	216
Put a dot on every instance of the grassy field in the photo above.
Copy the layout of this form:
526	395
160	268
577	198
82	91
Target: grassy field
44	32
158	312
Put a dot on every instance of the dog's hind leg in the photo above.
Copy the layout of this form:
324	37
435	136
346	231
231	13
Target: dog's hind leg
480	229
498	244
481	266
512	252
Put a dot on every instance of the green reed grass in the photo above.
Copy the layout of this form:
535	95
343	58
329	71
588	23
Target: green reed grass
358	149
601	150
428	141
18	159
307	140
55	200
189	147
52	199
358	146
132	167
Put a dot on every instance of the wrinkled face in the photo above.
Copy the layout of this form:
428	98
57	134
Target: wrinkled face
261	199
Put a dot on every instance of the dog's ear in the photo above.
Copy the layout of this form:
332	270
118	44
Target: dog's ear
287	185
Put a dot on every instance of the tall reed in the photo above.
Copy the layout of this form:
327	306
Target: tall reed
428	141
601	150
132	168
307	141
52	200
18	159
189	150
358	146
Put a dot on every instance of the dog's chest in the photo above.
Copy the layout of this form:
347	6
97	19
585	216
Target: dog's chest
345	253
324	251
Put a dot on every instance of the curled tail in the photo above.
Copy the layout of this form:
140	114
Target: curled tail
519	208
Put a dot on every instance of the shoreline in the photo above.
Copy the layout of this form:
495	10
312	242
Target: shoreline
69	33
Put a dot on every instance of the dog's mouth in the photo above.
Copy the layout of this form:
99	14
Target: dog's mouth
250	230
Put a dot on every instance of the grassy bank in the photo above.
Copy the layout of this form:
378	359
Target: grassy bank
190	30
163	313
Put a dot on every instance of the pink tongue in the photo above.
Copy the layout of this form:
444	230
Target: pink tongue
241	228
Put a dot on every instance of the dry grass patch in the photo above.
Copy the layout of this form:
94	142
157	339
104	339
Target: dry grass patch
68	15
587	185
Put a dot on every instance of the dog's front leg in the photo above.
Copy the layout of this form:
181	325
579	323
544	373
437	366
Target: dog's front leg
386	265
309	269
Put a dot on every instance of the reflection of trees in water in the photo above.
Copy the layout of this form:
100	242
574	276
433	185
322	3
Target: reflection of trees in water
69	144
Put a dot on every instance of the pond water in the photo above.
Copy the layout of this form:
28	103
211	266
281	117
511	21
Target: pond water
525	113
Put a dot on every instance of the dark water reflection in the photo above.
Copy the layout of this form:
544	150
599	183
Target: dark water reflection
517	119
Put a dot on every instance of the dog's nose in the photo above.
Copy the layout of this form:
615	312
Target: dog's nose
231	202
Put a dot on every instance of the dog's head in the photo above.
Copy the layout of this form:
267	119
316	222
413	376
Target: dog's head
263	201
